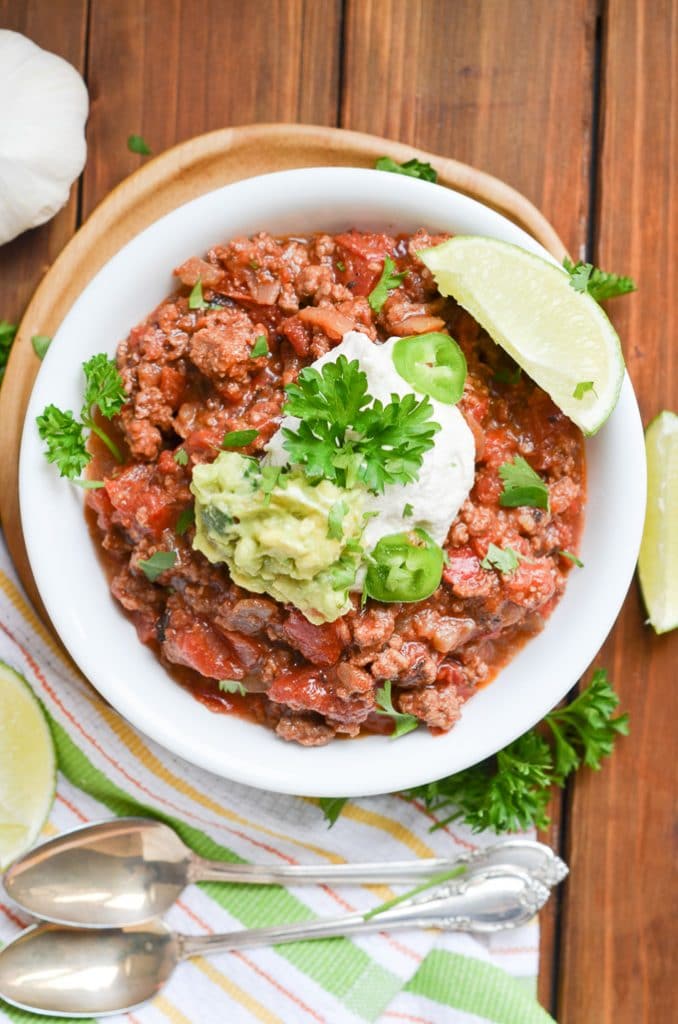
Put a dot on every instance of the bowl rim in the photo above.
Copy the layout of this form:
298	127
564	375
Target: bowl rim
332	774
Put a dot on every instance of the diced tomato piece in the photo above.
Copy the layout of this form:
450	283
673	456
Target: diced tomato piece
463	565
532	584
362	256
200	647
205	441
298	334
306	689
249	652
140	506
318	644
100	503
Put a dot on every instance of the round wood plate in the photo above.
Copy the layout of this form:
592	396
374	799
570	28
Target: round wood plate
182	173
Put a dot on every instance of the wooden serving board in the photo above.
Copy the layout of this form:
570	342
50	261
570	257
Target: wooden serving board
176	176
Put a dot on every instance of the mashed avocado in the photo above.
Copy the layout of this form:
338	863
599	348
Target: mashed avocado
280	534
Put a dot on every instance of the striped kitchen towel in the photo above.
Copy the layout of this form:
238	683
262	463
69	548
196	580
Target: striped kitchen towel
107	768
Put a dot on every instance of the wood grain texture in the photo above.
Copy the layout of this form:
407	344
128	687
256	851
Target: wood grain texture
618	961
172	69
485	82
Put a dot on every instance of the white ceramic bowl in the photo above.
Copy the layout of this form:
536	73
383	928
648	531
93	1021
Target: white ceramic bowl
103	641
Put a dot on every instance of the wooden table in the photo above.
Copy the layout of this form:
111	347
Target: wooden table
572	102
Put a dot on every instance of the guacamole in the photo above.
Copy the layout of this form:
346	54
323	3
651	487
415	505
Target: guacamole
280	534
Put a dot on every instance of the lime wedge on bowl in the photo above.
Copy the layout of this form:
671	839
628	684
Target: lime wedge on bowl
27	766
658	561
560	337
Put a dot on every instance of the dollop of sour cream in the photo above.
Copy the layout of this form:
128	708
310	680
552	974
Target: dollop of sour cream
447	472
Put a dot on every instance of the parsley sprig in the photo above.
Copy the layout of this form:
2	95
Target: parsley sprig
344	435
65	436
584	277
7	336
412	168
402	723
511	790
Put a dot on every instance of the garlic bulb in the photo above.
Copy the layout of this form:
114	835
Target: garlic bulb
43	109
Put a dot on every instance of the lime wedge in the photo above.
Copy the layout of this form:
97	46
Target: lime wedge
561	338
27	766
658	561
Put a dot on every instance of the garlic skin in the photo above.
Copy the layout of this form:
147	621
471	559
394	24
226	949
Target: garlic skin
43	110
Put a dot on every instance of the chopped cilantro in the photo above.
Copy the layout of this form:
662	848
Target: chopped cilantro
506	376
335	519
402	723
7	336
196	299
583	388
506	560
233	686
40	343
157	564
386	283
186	519
522	486
332	806
239	438
137	144
260	347
572	558
412	168
407	510
341	266
181	457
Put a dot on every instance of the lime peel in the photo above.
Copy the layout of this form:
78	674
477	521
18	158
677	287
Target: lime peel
559	336
27	766
658	561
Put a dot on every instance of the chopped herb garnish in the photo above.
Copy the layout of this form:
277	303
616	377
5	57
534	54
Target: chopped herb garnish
7	336
412	168
332	806
40	343
181	457
402	723
344	435
522	486
137	144
584	277
583	388
254	264
335	519
65	436
157	564
260	347
572	558
186	519
239	438
233	686
506	376
386	283
505	560
90	485
196	299
341	266
407	510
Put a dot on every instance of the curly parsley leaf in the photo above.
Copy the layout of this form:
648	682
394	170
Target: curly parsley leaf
260	347
196	299
386	283
233	686
7	336
181	457
335	520
137	144
412	168
186	519
345	436
104	388
402	723
522	486
332	806
584	277
505	560
65	440
511	790
157	564
40	343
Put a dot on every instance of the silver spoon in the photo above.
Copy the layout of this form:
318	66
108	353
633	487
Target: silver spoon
71	971
128	870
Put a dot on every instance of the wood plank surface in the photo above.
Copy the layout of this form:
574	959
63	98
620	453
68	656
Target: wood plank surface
482	82
618	960
172	69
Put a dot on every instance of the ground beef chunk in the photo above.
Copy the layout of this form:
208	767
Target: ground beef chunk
308	730
250	615
372	627
221	348
408	665
351	679
438	706
444	631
